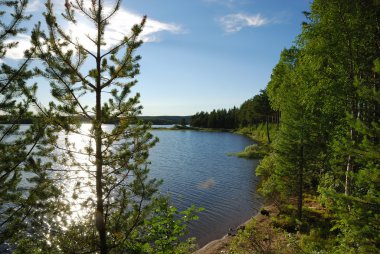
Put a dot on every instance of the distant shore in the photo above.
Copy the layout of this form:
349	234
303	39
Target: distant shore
180	127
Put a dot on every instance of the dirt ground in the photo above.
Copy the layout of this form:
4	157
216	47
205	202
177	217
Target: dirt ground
216	247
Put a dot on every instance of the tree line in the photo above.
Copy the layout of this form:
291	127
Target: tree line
252	112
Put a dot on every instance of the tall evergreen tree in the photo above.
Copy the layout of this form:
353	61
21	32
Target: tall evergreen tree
296	143
103	170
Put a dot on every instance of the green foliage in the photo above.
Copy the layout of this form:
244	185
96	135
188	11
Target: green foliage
256	110
252	112
217	119
273	185
259	133
250	152
166	120
326	88
166	228
259	236
315	243
26	190
183	122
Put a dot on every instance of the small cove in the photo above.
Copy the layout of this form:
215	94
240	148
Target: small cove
196	170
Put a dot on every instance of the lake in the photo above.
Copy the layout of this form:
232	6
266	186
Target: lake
196	170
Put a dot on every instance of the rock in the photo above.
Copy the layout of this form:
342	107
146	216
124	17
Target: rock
232	232
264	212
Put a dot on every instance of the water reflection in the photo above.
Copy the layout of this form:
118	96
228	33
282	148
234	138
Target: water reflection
206	184
195	169
76	169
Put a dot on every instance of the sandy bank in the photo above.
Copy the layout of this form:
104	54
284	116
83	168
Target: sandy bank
220	245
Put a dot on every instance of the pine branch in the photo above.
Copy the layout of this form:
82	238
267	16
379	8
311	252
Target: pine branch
7	172
60	78
16	74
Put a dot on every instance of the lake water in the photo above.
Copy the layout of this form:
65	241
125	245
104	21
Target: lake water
196	170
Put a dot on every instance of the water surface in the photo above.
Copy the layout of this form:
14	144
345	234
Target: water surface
196	170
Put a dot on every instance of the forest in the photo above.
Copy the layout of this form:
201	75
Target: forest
327	89
251	113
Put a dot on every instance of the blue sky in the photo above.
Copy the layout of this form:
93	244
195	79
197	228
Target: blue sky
204	54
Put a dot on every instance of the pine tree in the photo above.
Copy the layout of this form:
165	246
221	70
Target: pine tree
25	188
105	176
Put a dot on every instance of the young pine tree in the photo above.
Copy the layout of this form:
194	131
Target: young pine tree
103	167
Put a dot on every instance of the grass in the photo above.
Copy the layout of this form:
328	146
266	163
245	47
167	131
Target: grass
261	236
250	152
282	233
258	134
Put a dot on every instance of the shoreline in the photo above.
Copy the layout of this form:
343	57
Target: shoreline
222	244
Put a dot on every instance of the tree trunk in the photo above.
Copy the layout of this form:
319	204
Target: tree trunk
349	167
300	182
348	170
268	130
99	214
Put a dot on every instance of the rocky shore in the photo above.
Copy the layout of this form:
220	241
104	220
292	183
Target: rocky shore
222	245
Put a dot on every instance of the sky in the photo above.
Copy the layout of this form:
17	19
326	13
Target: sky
198	55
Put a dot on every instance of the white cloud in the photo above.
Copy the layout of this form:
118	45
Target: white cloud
120	25
122	22
235	22
18	51
34	5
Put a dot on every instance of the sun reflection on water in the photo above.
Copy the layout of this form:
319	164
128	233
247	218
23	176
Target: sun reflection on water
76	169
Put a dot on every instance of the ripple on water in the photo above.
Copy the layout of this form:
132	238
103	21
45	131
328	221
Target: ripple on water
196	170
